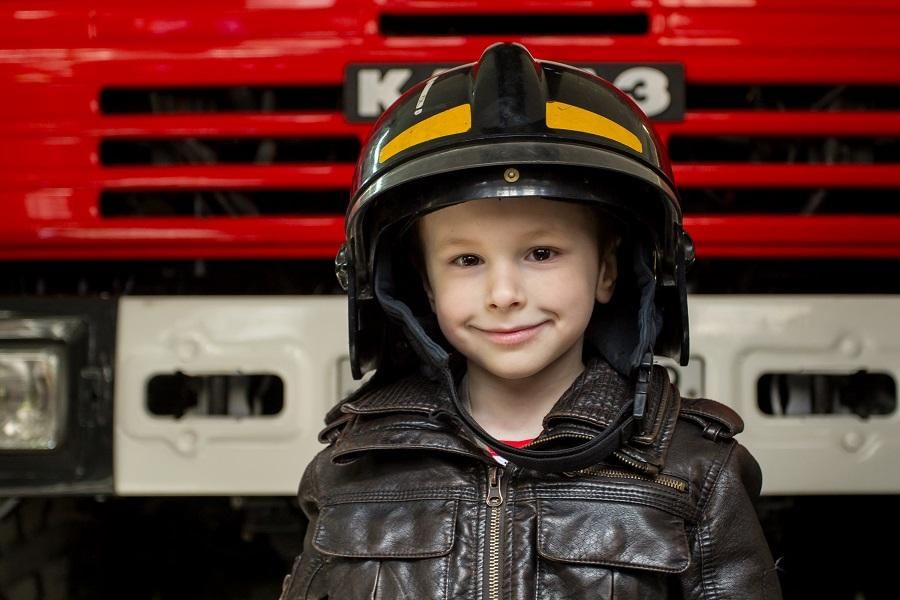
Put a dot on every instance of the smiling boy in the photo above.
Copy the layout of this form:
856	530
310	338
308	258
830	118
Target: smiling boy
513	284
515	258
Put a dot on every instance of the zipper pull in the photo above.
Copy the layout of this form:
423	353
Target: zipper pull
494	493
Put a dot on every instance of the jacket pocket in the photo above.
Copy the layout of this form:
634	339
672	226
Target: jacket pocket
294	585
599	549
386	549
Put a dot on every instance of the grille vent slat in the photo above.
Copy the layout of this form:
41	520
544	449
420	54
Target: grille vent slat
792	276
244	150
789	150
222	203
792	97
514	24
766	175
787	201
243	98
105	277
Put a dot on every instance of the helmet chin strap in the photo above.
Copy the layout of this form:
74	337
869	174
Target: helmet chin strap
578	457
626	422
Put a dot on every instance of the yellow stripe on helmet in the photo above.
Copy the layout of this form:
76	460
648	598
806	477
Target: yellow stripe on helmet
566	116
453	120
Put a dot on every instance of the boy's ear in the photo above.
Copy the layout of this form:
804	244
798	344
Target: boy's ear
429	293
609	272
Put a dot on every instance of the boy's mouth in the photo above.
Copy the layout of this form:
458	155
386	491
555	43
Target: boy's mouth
510	336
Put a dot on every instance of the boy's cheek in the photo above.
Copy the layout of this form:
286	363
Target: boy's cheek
453	317
449	292
449	310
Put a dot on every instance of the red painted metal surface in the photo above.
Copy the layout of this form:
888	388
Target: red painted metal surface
796	236
251	237
768	176
785	124
57	57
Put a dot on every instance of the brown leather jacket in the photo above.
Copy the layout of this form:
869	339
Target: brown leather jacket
402	504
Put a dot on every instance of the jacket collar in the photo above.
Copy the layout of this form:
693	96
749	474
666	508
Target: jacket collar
414	413
599	393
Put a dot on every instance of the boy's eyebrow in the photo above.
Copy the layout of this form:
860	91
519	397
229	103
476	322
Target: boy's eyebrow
538	231
455	241
541	230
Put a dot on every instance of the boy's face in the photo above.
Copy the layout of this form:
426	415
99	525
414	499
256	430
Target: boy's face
513	282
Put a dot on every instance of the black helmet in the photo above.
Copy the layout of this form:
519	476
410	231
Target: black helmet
511	126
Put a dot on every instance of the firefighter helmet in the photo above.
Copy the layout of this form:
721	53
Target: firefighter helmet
511	126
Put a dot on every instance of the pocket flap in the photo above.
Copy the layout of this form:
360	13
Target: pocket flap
619	535
406	529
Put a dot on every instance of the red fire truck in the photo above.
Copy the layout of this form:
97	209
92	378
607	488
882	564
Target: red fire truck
174	176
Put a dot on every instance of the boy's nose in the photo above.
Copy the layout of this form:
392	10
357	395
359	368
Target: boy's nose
505	291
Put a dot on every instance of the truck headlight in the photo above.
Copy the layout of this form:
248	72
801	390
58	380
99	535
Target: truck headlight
32	399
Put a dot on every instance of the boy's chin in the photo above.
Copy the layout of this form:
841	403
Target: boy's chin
529	363
512	371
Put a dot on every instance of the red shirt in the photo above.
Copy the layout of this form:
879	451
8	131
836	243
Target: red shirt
513	443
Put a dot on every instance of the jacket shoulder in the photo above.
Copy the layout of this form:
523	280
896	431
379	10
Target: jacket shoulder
412	393
717	421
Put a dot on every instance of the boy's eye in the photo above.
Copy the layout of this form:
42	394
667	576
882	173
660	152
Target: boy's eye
467	260
542	254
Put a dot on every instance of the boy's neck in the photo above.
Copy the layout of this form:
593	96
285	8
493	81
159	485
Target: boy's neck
514	409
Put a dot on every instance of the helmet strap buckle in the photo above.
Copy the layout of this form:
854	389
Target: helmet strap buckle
641	389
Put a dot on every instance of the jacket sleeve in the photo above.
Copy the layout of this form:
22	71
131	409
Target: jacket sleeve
309	561
731	558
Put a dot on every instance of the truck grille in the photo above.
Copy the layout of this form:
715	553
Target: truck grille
185	132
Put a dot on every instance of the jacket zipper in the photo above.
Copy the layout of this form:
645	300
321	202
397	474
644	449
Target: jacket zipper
494	501
671	482
644	468
556	437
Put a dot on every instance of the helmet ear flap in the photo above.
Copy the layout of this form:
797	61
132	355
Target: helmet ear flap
624	329
684	258
674	338
365	328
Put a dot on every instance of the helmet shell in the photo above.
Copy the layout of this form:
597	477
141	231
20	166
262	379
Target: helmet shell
511	126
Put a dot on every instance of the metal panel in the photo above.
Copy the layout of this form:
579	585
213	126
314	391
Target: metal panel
300	339
741	338
735	340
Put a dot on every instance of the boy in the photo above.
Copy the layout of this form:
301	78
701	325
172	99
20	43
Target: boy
515	256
